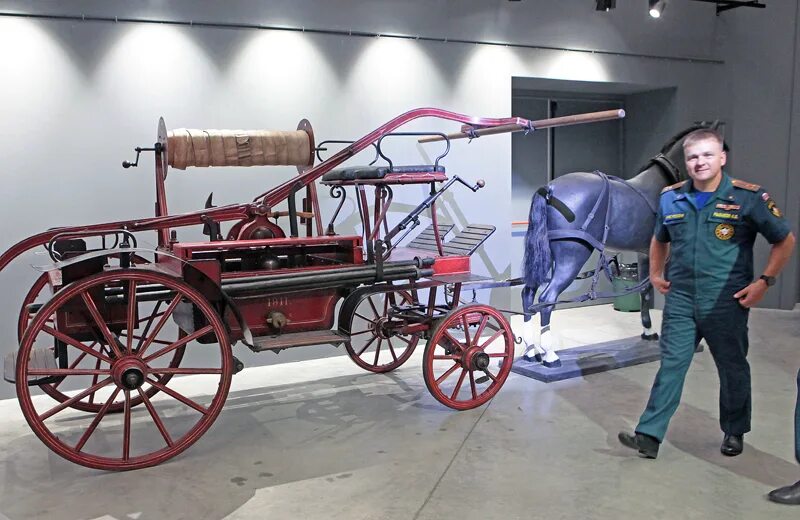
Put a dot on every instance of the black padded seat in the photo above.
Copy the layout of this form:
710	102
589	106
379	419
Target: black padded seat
352	173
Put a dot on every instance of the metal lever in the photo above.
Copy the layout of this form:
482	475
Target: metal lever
156	148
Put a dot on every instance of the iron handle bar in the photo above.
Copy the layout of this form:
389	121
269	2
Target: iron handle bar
470	132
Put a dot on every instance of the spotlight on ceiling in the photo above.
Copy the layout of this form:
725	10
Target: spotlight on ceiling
657	7
606	5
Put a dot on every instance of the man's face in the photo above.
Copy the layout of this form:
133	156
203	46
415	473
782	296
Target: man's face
704	159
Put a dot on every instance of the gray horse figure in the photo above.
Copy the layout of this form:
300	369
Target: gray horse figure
580	212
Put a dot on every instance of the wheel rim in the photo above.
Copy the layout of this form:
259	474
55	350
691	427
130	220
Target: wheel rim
468	357
76	359
375	345
163	427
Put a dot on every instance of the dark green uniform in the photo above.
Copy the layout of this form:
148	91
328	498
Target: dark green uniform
711	258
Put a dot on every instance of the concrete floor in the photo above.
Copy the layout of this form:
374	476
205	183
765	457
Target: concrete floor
323	440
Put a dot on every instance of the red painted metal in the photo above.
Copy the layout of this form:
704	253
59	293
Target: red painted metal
73	441
458	345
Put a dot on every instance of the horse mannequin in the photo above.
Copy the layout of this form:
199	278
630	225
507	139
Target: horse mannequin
566	223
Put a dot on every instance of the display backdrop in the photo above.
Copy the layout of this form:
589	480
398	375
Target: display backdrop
77	96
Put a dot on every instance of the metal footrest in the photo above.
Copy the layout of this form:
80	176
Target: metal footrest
426	240
468	240
42	358
299	339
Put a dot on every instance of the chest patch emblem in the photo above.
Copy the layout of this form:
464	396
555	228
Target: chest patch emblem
724	231
729	206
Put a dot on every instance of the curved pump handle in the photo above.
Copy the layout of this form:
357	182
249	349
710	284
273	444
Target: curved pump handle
127	164
478	185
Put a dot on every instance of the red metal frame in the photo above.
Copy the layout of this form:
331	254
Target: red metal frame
262	203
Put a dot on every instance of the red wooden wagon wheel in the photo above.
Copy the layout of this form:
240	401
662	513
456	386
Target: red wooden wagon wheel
166	425
468	357
39	293
375	342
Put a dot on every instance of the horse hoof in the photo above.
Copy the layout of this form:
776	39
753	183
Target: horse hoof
650	337
552	364
537	358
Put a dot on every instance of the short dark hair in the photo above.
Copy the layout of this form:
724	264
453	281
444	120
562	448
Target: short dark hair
701	135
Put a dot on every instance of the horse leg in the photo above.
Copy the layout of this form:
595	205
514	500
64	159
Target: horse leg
569	256
647	299
531	350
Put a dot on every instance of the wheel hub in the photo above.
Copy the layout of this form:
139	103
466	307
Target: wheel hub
129	373
476	359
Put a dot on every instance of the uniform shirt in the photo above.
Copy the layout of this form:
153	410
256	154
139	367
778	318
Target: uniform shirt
711	252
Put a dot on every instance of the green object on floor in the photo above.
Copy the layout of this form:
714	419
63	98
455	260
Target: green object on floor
626	278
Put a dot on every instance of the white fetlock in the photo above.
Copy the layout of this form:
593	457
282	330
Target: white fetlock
649	334
532	352
550	358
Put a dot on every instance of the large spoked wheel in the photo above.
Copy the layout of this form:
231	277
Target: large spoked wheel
375	343
468	357
69	357
100	316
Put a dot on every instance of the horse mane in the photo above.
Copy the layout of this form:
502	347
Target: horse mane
675	139
683	133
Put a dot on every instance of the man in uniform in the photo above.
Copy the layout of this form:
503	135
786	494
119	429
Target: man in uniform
708	225
791	494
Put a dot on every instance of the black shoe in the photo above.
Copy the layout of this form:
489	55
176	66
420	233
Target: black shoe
786	495
646	445
732	445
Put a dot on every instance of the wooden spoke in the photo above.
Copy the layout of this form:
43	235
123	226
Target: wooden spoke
458	385
94	388
111	341
178	344
156	418
160	325
367	345
482	326
132	307
97	418
447	374
126	429
175	395
75	343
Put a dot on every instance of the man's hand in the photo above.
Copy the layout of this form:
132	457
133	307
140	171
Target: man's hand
660	284
752	294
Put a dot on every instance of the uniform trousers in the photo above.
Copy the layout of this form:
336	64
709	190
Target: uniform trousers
722	322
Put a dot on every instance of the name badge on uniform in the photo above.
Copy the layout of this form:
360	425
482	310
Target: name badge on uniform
674	216
725	215
723	231
728	207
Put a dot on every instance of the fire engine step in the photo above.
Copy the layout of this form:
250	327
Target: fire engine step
299	339
40	358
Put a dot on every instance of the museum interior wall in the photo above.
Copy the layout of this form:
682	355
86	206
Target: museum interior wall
78	96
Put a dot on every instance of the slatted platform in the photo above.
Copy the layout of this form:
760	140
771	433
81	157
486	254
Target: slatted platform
426	240
464	243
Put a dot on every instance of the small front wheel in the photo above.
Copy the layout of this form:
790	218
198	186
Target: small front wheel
468	357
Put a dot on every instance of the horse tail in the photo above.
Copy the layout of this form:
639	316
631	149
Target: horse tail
537	258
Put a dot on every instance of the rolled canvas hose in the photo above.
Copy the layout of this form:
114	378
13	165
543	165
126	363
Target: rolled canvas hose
203	148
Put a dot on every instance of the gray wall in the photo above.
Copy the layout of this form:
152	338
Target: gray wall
762	94
78	96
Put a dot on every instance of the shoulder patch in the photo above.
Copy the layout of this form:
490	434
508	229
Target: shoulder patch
673	187
745	185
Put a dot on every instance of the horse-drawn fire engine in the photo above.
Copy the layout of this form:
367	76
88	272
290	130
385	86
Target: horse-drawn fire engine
112	332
